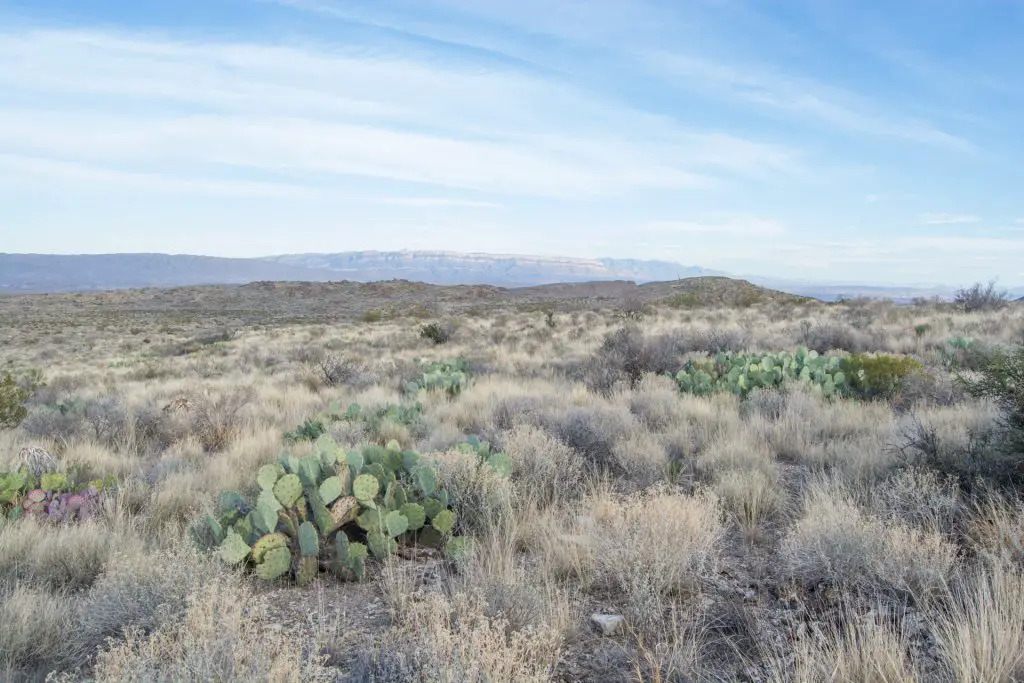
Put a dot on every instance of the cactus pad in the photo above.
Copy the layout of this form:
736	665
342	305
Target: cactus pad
309	541
365	487
426	480
330	489
231	500
307	570
267	543
369	520
275	563
234	549
268	476
288	489
415	514
54	481
396	523
444	521
309	470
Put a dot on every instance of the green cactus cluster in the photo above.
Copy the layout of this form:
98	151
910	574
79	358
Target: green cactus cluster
486	455
408	414
53	496
450	376
740	373
331	510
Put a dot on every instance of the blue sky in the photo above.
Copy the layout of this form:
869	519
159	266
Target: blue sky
817	139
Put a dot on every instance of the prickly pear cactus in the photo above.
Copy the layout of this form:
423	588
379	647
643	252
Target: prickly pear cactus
325	505
741	373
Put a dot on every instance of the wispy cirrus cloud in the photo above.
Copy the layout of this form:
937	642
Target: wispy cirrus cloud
948	218
177	108
801	98
644	37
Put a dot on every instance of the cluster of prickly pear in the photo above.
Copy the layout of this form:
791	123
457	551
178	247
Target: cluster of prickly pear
331	509
450	376
740	373
53	496
486	455
408	414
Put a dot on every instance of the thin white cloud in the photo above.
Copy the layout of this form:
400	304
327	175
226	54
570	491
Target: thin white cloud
441	202
802	98
24	168
734	226
948	218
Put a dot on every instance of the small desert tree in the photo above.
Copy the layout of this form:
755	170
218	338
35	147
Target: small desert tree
979	297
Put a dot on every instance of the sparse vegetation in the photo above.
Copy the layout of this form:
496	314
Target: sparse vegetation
747	523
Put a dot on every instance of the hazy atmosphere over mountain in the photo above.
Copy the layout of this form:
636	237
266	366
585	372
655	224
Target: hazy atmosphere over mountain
25	273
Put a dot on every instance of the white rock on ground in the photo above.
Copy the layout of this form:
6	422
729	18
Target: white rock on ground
607	624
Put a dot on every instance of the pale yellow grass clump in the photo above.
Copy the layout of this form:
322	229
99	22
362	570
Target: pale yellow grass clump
453	639
653	548
980	627
835	542
214	641
857	651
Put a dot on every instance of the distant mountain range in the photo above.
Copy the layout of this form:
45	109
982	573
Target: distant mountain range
25	273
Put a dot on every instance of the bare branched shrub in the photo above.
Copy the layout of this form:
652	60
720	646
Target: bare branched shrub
769	404
217	418
626	355
826	337
979	297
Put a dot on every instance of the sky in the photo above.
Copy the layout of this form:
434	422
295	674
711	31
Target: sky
833	140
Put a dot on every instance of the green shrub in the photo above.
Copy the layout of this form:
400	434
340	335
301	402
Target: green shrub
12	402
878	376
1000	377
436	332
373	316
310	430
